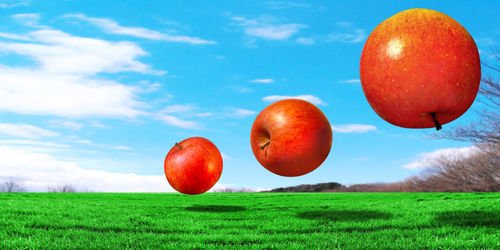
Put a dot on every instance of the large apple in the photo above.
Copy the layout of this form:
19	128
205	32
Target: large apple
291	137
420	69
193	166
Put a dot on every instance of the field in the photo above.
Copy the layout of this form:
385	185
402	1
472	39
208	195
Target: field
250	220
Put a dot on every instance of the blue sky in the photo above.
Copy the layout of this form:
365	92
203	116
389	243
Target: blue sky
95	94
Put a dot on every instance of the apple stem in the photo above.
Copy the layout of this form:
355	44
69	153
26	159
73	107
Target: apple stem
438	125
265	145
179	146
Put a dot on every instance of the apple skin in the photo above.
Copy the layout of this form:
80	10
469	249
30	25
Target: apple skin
291	137
193	166
420	62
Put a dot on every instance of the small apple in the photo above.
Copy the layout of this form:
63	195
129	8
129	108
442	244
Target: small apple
420	69
193	166
291	137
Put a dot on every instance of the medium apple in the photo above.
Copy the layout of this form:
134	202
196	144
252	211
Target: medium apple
420	69
193	166
291	137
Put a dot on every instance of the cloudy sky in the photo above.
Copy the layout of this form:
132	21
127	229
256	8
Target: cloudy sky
95	93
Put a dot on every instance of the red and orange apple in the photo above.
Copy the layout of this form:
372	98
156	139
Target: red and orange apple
193	166
419	69
291	137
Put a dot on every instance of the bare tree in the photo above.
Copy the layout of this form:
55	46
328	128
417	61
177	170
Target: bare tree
487	129
67	188
478	172
12	186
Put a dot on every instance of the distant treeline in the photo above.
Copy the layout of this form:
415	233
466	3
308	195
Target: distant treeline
478	172
320	187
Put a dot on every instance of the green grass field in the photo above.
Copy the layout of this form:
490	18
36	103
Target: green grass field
250	220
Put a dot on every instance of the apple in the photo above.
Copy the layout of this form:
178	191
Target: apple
420	69
193	166
291	137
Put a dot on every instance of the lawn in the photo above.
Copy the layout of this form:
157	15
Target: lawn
250	220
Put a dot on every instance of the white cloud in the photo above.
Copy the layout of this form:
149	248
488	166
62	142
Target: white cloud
25	131
65	124
121	147
113	27
206	114
347	34
59	52
33	143
184	110
238	18
353	128
271	28
242	112
90	143
425	159
358	35
96	124
28	19
36	92
350	81
64	82
83	141
12	4
225	157
310	98
179	108
37	171
267	28
177	122
14	36
263	80
284	5
305	41
274	32
149	87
